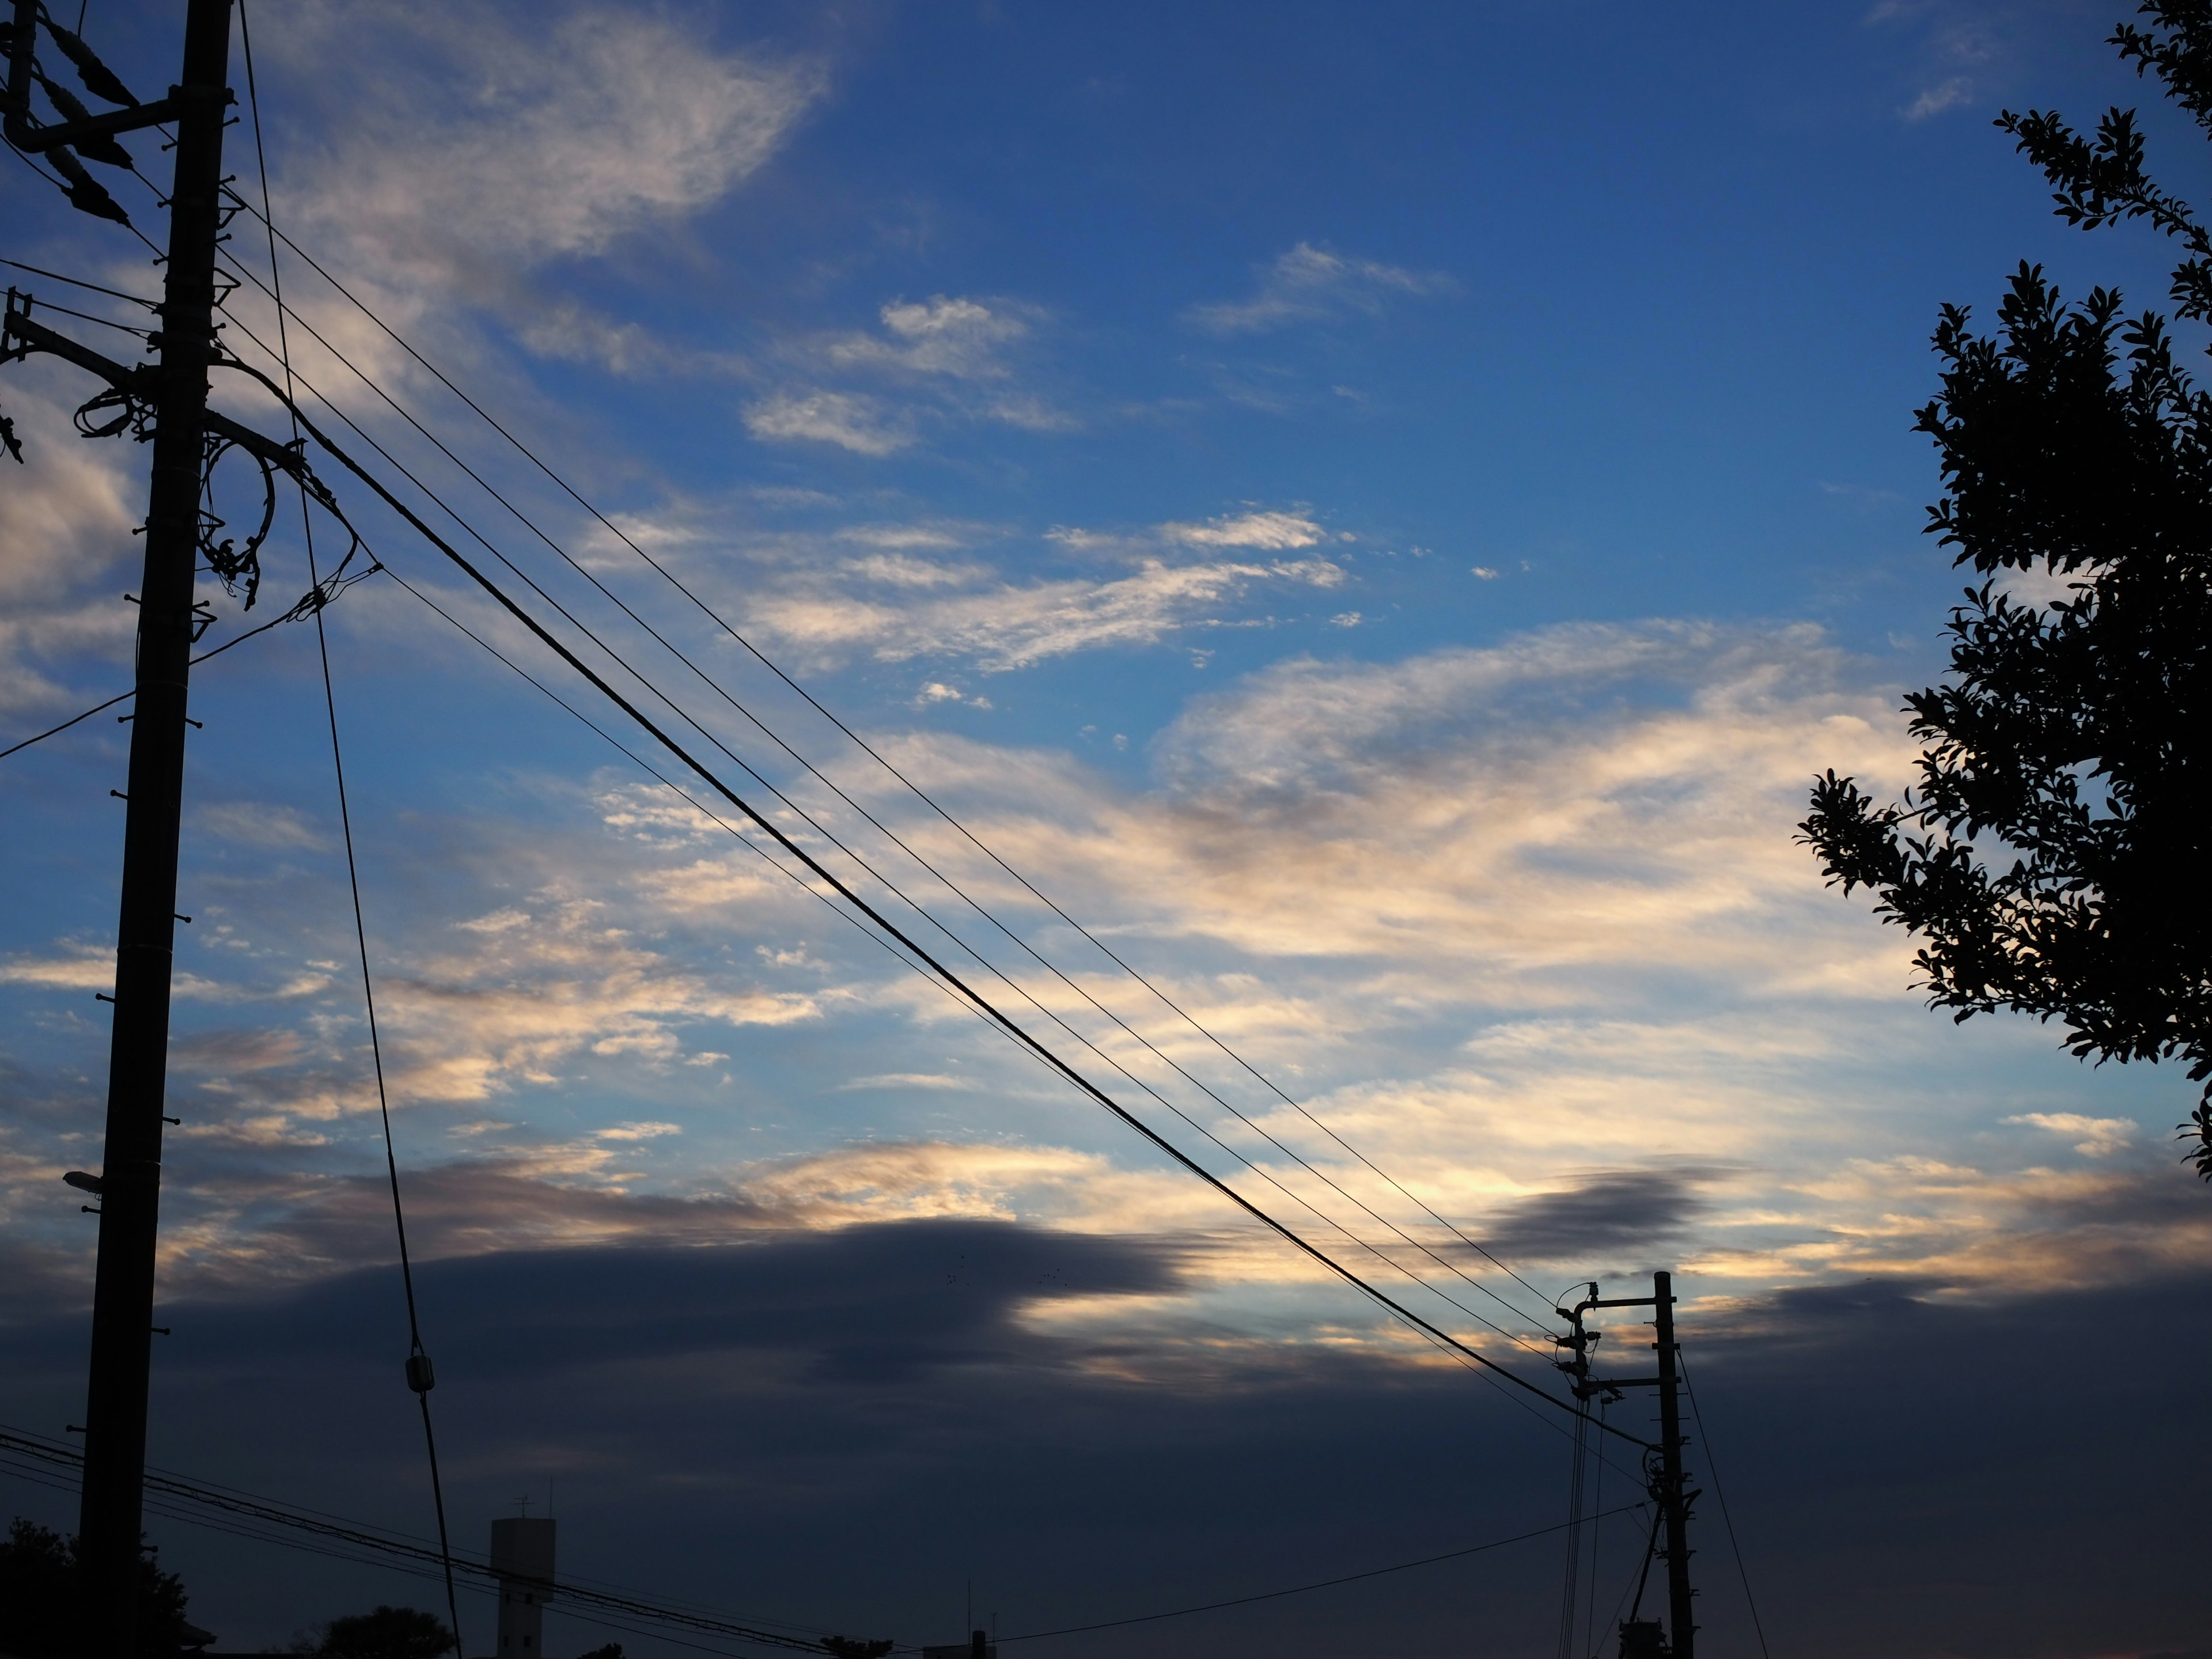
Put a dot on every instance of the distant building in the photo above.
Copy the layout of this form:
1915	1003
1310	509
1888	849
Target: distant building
977	1646
522	1558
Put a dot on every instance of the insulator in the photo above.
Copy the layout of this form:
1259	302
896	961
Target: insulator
99	80
419	1376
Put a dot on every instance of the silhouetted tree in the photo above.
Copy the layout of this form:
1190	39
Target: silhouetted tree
2053	856
42	1597
385	1632
612	1650
847	1647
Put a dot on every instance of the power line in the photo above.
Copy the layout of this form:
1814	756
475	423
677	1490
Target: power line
1448	1349
79	282
86	316
919	909
420	1376
237	1505
1713	1469
861	743
990	1009
1009	1026
292	615
1301	1589
801	812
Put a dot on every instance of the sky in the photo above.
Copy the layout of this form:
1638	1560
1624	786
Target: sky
1377	512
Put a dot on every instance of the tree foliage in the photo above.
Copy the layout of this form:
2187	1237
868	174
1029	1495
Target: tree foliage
42	1586
384	1632
2052	857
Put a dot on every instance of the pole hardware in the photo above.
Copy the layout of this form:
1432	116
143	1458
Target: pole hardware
1671	1494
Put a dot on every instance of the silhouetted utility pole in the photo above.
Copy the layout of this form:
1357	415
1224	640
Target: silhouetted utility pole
1674	1497
1669	1487
130	1183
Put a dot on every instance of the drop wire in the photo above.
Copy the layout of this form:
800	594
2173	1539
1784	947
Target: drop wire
419	1384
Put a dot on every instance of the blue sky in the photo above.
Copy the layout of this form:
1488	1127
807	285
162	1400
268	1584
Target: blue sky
1378	511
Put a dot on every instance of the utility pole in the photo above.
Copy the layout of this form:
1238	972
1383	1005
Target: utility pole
1669	1487
1674	1496
130	1183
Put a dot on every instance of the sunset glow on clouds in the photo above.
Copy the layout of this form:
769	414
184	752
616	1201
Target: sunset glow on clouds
1398	623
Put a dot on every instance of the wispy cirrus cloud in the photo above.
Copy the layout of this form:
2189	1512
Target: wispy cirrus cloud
1311	284
941	362
490	147
1272	531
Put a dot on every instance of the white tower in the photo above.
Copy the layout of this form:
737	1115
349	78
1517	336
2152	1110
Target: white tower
522	1558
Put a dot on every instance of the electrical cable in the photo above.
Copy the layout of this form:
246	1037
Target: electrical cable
50	1451
1301	1589
86	316
677	789
1713	1469
855	738
982	1005
292	615
1010	1027
1578	1469
1597	1502
844	915
419	1373
617	659
79	282
919	909
1633	1581
243	1511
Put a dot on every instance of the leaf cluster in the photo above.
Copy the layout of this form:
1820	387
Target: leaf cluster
2053	856
383	1632
42	1598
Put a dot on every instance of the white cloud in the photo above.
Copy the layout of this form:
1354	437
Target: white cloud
477	139
1272	531
850	421
2101	1136
1309	283
944	359
1933	100
1005	625
66	545
958	337
474	149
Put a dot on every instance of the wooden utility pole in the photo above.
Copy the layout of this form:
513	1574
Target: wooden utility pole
130	1183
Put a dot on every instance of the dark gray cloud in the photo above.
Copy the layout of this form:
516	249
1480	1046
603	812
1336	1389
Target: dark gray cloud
845	1427
1612	1215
